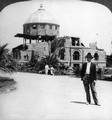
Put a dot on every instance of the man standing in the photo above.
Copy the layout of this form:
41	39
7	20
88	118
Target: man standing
88	76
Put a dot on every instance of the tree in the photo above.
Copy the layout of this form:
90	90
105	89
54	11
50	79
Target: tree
52	58
109	60
57	45
7	62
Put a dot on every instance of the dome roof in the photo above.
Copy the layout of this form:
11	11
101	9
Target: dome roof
41	16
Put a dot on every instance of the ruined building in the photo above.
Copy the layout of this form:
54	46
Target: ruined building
38	32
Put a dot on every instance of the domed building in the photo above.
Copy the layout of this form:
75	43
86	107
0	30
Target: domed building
38	32
41	24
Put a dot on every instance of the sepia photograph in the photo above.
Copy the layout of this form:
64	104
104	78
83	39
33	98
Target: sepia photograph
55	59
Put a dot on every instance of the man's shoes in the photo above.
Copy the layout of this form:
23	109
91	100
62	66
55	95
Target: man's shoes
97	104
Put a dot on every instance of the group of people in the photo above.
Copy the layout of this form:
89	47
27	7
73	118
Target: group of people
49	70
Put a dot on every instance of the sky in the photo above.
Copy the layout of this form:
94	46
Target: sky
4	3
90	21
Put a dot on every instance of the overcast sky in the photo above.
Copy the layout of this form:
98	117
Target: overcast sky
89	21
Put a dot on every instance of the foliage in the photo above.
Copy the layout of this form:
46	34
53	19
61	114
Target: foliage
36	65
76	70
7	63
57	45
50	60
109	60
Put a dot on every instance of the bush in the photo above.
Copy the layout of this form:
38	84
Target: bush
76	70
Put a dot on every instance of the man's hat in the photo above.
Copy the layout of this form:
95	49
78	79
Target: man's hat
89	55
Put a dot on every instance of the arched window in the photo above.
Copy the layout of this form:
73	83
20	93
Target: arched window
76	55
96	56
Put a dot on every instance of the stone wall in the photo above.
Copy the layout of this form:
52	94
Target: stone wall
41	48
69	51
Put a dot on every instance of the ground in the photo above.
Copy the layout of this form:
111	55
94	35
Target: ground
45	97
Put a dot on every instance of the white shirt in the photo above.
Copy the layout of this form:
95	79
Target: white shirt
88	68
46	69
52	70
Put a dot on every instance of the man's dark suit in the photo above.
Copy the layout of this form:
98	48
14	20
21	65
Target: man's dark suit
92	71
89	82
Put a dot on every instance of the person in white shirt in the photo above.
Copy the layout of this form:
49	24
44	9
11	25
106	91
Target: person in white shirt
88	76
46	69
52	70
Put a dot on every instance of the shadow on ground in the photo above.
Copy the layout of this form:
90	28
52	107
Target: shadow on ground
79	102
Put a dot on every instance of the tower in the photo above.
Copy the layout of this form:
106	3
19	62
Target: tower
41	26
38	32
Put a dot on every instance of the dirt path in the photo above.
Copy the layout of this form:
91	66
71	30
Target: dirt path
42	97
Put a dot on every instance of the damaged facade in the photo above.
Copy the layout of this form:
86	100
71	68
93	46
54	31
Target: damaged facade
74	53
38	32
